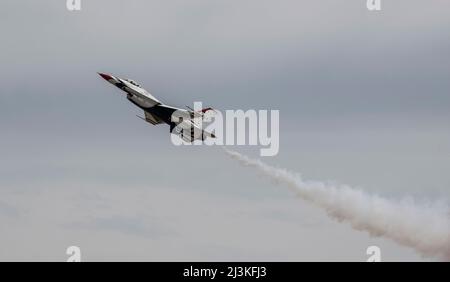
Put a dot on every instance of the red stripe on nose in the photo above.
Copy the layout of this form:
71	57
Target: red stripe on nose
105	76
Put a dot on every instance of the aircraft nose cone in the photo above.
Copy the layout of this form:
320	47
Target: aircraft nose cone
105	76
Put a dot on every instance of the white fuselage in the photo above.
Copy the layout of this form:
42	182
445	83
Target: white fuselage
135	92
139	95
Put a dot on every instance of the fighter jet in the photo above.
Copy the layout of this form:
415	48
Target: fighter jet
181	121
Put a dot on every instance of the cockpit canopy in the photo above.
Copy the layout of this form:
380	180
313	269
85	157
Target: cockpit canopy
133	82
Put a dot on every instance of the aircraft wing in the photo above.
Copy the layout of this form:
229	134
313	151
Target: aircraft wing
189	131
199	114
181	122
152	118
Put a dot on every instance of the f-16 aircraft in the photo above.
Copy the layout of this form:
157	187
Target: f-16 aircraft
181	121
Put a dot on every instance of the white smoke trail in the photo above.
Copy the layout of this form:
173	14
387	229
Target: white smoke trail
425	228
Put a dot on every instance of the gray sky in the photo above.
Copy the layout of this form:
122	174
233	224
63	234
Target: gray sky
363	99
